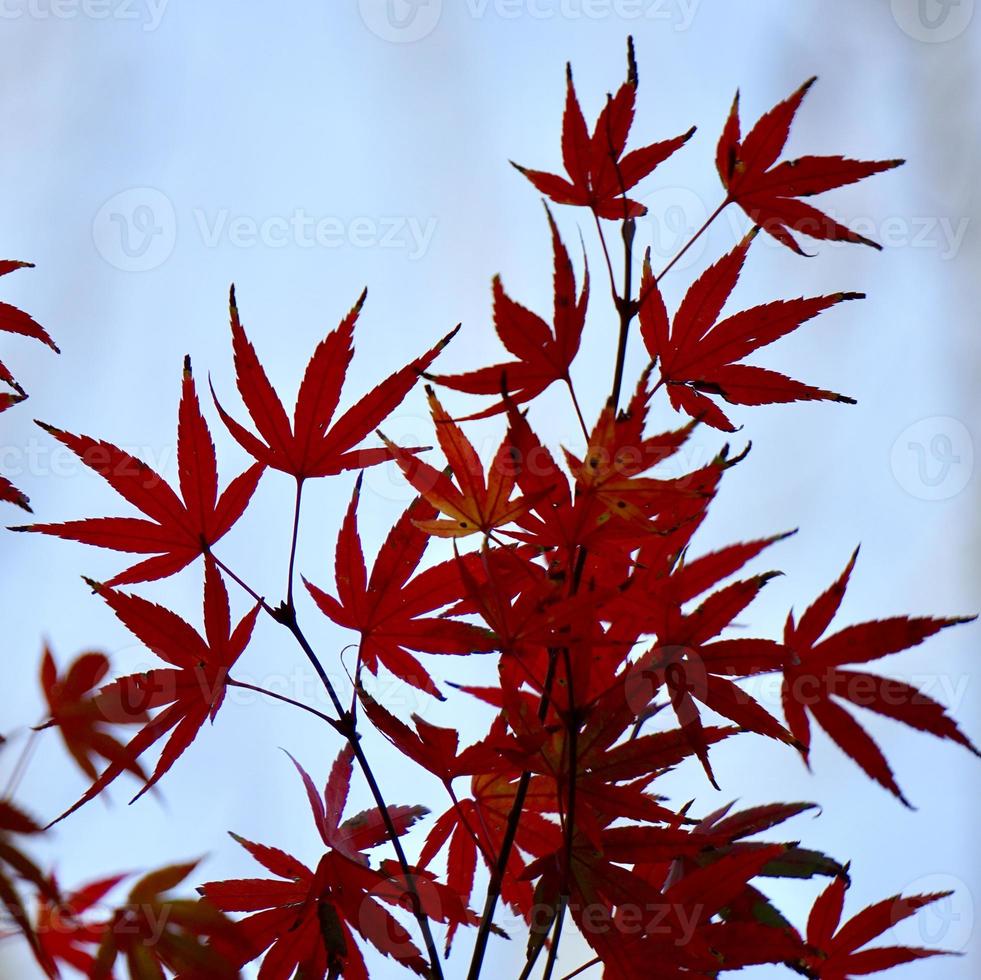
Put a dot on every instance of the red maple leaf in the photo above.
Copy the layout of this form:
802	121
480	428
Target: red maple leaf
839	952
16	866
307	921
67	928
544	354
154	931
391	610
813	677
770	194
190	691
599	174
179	528
476	503
316	444
15	321
75	710
698	352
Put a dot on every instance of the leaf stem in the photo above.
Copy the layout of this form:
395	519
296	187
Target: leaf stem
625	308
287	616
575	404
514	817
231	682
294	541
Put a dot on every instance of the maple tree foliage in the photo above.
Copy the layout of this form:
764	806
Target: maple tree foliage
15	321
574	577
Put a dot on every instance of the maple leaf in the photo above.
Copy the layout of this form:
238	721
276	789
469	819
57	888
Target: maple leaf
179	528
475	503
14	865
477	825
699	353
15	321
307	920
813	677
74	709
770	194
190	691
618	453
390	609
840	953
358	833
66	927
544	354
316	444
154	931
599	174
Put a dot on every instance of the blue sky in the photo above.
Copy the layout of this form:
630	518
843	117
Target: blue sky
156	152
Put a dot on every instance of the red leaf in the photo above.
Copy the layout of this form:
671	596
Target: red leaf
812	678
544	354
190	694
316	444
178	530
599	173
698	351
768	194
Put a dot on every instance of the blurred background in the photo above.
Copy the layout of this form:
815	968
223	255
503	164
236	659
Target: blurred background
157	151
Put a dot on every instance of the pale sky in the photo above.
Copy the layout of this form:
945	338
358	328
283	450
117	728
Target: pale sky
155	152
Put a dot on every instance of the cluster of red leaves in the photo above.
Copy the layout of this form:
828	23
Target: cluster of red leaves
15	321
583	590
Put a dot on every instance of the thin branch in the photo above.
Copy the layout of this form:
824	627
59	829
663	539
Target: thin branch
286	700
556	939
575	404
287	616
582	969
294	541
626	309
243	585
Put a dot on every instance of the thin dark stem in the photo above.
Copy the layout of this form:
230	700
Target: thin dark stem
346	726
514	817
466	823
243	585
626	309
553	952
286	700
694	238
286	616
582	969
499	869
609	263
572	734
575	403
293	542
